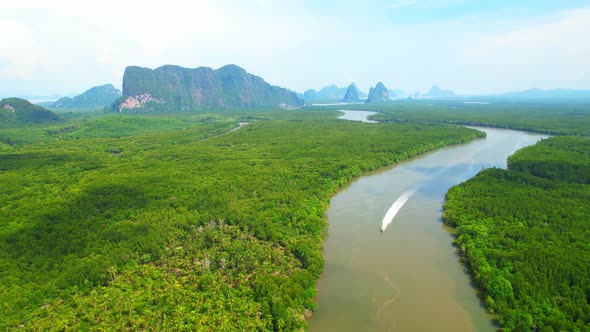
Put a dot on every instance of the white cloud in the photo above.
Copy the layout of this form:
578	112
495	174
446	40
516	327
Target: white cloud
17	49
61	46
540	55
68	38
566	35
401	4
424	4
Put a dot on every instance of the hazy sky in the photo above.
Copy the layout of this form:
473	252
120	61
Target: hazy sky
66	47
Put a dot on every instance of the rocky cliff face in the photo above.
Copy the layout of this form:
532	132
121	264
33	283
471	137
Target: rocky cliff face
378	94
352	94
96	97
138	101
174	88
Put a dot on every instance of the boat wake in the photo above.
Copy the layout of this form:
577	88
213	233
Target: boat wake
394	209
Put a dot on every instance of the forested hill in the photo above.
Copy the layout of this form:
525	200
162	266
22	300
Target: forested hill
96	97
16	111
170	231
174	88
524	233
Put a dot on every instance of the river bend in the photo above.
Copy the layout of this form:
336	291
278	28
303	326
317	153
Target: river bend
409	277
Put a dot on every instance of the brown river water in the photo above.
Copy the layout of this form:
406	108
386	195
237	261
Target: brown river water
407	278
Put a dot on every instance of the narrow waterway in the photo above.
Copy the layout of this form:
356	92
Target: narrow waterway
407	278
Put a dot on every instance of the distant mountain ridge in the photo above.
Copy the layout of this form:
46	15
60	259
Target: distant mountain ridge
174	88
436	92
325	93
549	94
96	97
396	93
330	92
16	111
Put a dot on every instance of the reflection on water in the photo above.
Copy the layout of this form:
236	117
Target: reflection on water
357	115
407	278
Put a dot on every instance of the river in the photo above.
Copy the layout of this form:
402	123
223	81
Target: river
409	277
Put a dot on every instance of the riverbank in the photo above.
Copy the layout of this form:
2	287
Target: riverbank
223	233
522	233
376	281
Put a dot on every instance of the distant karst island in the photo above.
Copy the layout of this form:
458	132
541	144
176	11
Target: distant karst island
378	94
352	94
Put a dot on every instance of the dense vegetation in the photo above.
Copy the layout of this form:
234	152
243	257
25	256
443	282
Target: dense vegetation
559	158
16	111
563	117
524	234
101	125
140	222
